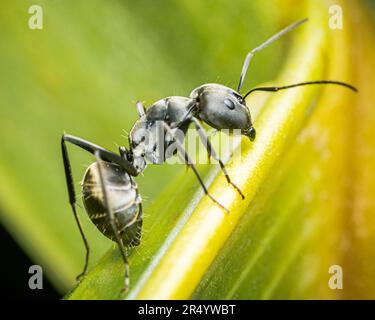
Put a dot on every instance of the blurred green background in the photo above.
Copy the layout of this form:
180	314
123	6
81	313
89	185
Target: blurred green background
82	74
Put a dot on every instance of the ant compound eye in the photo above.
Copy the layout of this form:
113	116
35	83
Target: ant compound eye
229	103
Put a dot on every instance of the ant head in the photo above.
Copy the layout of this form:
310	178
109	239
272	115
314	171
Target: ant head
223	108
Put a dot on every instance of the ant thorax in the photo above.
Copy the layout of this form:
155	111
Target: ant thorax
148	139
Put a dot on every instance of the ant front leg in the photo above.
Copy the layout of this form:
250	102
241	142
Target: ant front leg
113	223
190	163
207	144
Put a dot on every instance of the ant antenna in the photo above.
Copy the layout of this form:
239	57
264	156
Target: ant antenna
262	46
274	89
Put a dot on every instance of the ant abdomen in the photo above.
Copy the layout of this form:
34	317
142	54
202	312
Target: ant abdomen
122	198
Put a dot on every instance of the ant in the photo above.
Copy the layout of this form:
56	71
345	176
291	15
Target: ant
217	105
110	193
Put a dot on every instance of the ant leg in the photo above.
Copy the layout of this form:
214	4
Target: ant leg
211	152
139	200
189	162
137	220
72	201
112	221
104	154
140	109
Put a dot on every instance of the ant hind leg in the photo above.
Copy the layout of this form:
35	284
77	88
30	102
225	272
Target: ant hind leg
73	203
113	224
